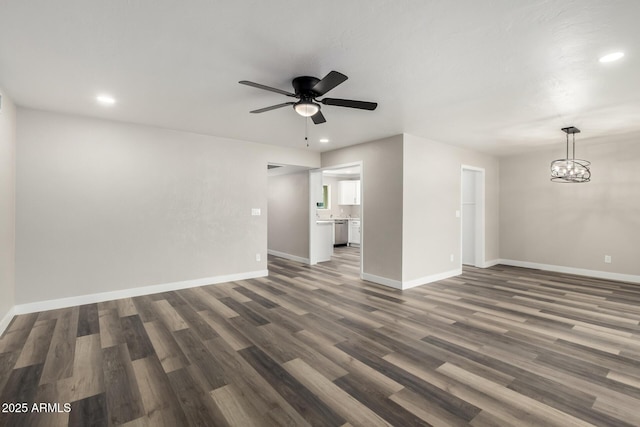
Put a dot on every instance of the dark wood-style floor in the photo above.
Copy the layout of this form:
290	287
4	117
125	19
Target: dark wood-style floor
317	346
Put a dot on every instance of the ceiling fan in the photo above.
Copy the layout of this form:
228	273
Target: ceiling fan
307	90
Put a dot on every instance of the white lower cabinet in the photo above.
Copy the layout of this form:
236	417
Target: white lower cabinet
354	231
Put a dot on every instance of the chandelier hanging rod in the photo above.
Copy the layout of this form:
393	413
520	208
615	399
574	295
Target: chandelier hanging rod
570	169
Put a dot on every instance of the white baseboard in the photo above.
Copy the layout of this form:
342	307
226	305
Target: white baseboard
572	270
403	285
433	278
397	284
34	307
491	263
288	256
7	319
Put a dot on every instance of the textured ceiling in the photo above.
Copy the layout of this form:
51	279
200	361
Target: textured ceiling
496	76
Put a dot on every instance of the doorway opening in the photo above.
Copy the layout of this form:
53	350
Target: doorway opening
472	221
336	214
287	217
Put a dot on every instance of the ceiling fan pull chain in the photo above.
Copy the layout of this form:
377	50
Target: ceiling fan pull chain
306	130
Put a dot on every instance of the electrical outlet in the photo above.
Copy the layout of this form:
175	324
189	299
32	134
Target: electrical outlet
258	257
607	259
255	211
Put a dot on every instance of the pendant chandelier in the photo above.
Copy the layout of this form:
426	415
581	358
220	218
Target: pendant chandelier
570	169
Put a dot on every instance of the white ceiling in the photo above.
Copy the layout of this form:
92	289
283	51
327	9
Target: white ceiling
501	76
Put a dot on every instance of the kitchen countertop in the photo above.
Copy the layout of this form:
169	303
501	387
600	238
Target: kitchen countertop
337	219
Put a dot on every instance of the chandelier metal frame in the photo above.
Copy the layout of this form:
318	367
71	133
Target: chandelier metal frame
570	170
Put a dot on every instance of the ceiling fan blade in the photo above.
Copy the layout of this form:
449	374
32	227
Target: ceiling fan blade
329	81
273	107
318	118
363	105
269	88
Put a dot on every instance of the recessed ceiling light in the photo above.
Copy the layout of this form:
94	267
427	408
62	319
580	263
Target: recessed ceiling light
611	57
324	140
105	99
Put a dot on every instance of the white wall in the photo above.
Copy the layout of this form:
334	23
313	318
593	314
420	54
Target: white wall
289	214
573	225
7	208
106	206
412	189
382	203
432	187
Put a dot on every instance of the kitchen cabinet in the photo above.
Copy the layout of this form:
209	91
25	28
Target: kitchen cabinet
323	243
354	231
349	192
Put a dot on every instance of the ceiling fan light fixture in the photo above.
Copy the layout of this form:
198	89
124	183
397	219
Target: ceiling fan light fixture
306	90
611	57
306	108
105	99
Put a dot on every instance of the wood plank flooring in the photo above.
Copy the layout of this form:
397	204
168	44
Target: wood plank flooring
316	346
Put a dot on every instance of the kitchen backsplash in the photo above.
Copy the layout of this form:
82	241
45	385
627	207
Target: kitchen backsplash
340	211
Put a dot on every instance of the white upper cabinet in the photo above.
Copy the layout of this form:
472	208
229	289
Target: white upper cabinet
349	192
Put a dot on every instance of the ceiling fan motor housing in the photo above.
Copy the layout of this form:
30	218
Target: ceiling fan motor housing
303	86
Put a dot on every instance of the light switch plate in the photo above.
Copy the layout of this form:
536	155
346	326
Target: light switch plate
255	211
457	214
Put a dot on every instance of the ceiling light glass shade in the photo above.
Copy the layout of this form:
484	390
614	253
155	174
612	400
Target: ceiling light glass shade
105	99
306	108
570	169
612	57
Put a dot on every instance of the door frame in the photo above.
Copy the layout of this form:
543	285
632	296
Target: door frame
480	214
312	210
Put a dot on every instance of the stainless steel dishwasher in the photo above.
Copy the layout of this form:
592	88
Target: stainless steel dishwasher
341	232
